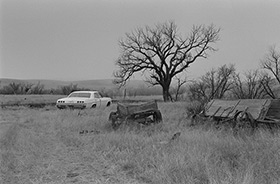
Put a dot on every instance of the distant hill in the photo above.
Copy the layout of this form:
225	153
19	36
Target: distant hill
89	84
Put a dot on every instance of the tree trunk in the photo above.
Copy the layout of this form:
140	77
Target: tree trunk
165	93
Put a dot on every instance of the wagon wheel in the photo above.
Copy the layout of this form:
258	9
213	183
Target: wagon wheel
115	121
157	116
242	118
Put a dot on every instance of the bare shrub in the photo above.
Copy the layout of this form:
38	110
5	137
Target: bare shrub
252	86
16	88
38	89
214	84
271	63
195	107
66	90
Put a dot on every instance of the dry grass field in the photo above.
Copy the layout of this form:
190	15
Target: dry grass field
33	100
46	145
18	100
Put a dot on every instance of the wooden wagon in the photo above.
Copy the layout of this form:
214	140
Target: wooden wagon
144	113
251	111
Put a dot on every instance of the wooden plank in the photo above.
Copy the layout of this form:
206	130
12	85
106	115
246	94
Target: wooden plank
232	110
208	105
220	108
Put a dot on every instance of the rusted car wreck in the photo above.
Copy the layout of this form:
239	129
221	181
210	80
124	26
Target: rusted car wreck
144	113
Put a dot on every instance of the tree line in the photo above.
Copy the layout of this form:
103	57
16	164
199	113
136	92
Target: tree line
25	88
225	83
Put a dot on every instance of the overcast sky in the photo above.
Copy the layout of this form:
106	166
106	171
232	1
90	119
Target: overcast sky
78	39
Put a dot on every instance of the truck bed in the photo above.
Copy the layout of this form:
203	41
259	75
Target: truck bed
129	109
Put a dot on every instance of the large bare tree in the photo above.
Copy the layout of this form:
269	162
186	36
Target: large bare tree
161	53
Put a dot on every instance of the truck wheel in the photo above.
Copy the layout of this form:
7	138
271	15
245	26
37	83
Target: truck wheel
157	116
243	119
113	118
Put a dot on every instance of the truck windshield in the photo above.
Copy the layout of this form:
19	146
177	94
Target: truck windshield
82	95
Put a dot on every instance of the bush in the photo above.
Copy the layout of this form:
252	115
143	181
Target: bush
195	107
38	89
16	88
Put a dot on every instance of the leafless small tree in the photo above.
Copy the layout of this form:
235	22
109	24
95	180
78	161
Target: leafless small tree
66	90
250	87
15	87
179	88
161	53
271	62
25	88
197	91
38	88
268	84
214	84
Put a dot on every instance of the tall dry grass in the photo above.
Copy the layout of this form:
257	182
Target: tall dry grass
66	146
